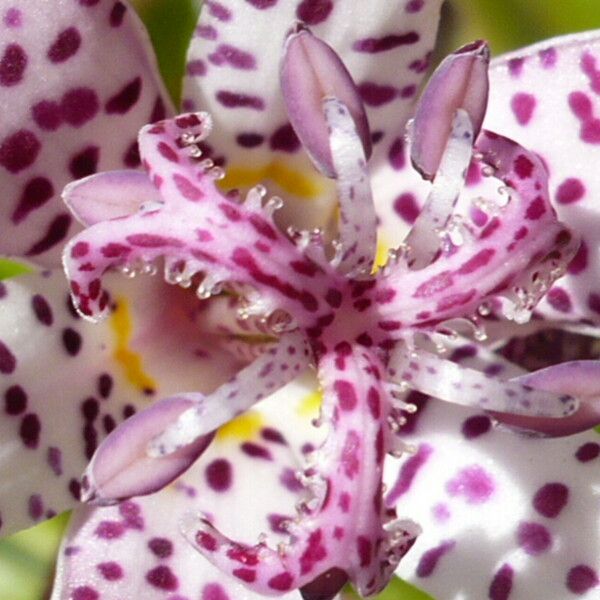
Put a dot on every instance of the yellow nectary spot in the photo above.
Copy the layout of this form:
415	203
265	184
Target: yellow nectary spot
244	427
382	253
288	179
310	405
122	326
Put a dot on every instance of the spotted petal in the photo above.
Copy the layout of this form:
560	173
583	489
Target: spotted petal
136	550
516	517
562	125
343	531
73	108
517	252
183	229
157	445
66	384
233	74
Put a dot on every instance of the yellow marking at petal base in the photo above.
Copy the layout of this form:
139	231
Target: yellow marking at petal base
310	405
244	427
289	180
122	326
381	255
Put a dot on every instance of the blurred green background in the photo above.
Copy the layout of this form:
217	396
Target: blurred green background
27	559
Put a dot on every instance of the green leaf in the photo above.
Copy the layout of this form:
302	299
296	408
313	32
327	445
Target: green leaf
398	589
11	268
170	24
27	560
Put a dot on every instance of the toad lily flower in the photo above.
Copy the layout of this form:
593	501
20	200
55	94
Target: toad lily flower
311	302
74	109
369	335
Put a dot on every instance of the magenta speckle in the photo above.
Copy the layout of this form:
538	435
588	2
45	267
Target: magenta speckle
13	17
12	65
65	46
473	483
238	100
581	578
110	530
162	578
515	66
428	562
579	262
385	43
284	139
396	154
548	57
406	207
196	68
79	105
111	571
414	6
313	12
226	54
587	452
125	98
523	106
570	190
161	547
550	499
19	150
441	512
85	592
501	585
213	591
559	300
408	472
533	538
475	426
374	94
219	475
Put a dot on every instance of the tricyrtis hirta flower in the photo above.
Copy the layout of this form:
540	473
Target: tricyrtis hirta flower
308	509
370	335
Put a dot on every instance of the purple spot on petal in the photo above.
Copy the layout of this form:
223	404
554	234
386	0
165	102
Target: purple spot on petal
15	400
284	139
36	193
475	426
13	18
47	115
19	150
581	578
79	105
85	162
161	547
12	65
162	578
125	98
8	362
65	46
406	207
570	190
428	562
313	12
117	14
501	585
388	42
219	475
550	499
473	483
56	233
533	538
239	100
587	452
